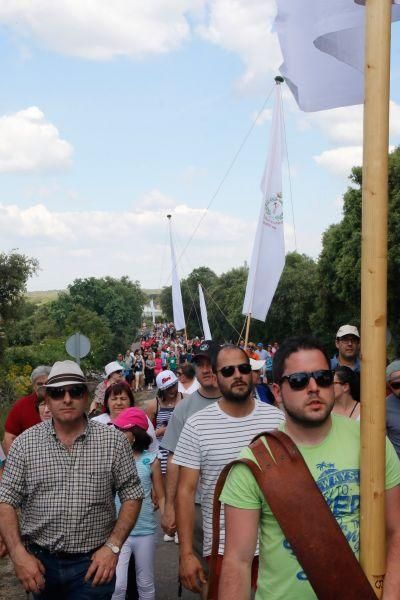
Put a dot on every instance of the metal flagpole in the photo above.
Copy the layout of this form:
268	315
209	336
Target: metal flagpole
374	288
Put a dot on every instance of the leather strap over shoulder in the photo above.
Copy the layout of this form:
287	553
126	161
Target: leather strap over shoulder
303	514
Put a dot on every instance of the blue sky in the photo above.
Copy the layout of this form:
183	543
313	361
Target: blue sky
111	118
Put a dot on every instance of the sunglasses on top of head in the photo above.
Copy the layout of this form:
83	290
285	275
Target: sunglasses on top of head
228	371
298	381
75	392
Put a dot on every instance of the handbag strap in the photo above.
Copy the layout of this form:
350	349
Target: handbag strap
304	517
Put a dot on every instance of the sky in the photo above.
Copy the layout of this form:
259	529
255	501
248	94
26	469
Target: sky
115	113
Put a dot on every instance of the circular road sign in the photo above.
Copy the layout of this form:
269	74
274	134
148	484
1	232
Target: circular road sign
77	346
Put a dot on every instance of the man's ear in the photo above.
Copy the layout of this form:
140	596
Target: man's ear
276	390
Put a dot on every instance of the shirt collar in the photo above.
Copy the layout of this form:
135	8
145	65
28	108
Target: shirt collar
50	426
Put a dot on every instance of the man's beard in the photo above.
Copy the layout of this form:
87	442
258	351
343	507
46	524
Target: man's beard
305	422
237	395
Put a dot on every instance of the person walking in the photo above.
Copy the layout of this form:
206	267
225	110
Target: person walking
141	540
23	413
62	476
210	439
330	446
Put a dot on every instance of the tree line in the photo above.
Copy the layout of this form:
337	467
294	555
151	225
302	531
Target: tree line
313	296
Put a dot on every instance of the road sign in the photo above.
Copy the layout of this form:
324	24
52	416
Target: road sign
77	346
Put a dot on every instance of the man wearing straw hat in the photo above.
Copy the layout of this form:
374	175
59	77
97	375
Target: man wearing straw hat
62	475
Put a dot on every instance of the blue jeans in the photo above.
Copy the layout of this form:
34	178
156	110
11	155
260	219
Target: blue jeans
65	578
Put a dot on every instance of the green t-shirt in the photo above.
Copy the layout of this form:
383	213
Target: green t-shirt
334	464
171	361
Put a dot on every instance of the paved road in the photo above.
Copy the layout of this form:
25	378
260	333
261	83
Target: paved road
166	575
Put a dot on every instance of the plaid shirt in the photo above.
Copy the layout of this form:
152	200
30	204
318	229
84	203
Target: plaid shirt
67	496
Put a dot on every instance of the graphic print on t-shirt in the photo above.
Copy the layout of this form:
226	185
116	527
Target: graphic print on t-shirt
341	490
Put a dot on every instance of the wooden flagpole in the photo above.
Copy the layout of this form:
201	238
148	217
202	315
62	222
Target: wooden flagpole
246	338
374	288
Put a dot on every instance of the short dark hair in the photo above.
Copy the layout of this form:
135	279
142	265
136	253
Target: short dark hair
227	347
142	439
292	345
347	375
188	370
117	388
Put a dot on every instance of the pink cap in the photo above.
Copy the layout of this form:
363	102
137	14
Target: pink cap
130	417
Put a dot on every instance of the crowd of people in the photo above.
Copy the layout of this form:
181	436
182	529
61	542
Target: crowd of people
86	483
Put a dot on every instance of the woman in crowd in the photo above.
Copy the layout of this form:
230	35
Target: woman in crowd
157	364
138	369
117	398
128	361
149	366
160	409
43	409
141	541
187	379
346	386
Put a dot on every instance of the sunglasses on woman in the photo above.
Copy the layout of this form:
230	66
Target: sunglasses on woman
75	392
298	381
244	369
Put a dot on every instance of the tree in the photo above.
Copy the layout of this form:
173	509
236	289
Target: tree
339	266
15	269
118	304
190	298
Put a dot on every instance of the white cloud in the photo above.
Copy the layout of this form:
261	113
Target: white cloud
345	125
100	30
34	222
262	117
30	143
339	161
155	201
244	27
111	28
88	243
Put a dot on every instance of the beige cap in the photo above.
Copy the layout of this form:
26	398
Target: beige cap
347	330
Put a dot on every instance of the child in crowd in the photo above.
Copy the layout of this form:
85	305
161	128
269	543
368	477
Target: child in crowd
141	541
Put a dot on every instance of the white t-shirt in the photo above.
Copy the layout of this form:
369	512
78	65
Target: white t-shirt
210	440
192	388
106	419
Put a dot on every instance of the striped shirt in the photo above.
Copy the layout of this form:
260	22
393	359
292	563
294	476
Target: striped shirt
67	496
210	440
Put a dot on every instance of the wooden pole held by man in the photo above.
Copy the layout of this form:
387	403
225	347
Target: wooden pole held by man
374	288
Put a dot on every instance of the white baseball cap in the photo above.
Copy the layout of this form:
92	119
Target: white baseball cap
347	330
166	379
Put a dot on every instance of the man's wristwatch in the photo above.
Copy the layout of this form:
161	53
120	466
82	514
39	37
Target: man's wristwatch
114	549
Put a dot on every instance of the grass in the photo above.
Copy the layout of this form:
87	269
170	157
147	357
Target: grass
42	297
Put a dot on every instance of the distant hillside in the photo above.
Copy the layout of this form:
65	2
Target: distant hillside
43	297
49	295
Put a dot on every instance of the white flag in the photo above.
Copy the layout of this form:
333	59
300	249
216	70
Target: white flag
153	314
268	257
204	317
322	43
177	305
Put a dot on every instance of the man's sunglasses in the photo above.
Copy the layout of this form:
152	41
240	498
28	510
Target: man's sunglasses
395	385
244	369
298	381
75	392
